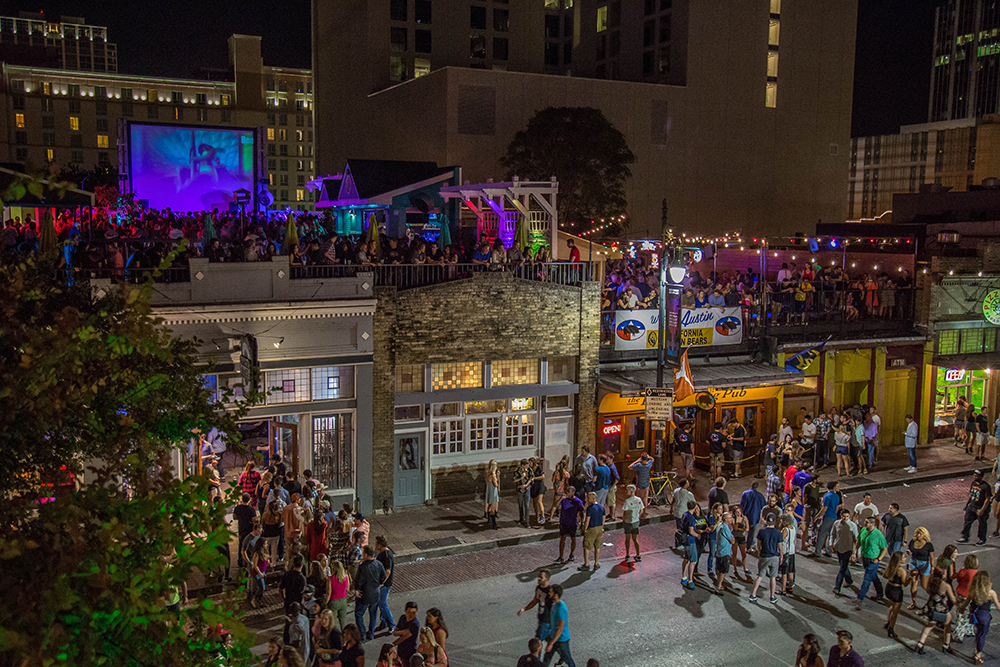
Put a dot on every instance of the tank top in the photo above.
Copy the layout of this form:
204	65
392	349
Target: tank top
339	588
788	540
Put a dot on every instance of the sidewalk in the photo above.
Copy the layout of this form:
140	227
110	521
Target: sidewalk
458	527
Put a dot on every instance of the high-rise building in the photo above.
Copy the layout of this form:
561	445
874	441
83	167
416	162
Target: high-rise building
69	117
65	42
717	130
965	72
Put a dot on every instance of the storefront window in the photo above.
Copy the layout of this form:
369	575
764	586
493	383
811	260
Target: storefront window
461	375
520	431
484	407
518	404
484	433
636	433
612	433
514	371
333	451
953	383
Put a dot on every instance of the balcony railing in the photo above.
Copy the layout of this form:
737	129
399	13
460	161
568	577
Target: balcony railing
409	276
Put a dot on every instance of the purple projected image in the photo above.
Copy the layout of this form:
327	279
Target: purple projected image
190	168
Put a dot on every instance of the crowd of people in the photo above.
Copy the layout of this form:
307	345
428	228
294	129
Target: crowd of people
99	239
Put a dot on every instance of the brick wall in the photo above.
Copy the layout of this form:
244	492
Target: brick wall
490	316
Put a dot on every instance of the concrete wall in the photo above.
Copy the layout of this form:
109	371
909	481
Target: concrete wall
491	316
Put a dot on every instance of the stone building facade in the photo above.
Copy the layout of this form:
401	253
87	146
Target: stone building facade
492	367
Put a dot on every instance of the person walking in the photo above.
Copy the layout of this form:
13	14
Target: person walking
910	440
769	560
831	503
896	527
842	654
369	579
522	484
864	509
244	513
541	600
872	548
492	479
717	494
558	641
533	657
724	542
388	560
980	495
921	562
808	653
570	509
845	541
407	632
896	578
633	509
752	502
937	613
593	530
982	598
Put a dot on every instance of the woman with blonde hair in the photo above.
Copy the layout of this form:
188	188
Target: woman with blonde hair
982	597
921	562
430	649
326	639
741	527
492	477
340	585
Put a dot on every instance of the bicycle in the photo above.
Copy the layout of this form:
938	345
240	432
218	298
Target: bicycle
656	495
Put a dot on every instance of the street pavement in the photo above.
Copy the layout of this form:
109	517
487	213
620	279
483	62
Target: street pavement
635	615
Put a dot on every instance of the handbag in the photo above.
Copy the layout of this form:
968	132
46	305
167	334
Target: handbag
939	616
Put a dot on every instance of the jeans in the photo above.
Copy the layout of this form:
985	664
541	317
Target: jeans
751	534
359	617
543	630
871	577
982	626
523	506
562	648
871	454
912	452
711	555
239	550
844	573
383	608
824	533
971	516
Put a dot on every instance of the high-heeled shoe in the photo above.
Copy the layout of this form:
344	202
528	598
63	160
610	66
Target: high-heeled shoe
947	649
891	633
920	648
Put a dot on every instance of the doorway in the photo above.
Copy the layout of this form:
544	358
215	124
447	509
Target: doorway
283	438
409	478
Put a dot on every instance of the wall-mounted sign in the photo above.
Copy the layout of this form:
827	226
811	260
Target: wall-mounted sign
612	428
991	307
954	375
637	329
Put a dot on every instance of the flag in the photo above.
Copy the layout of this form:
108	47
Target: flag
801	361
683	380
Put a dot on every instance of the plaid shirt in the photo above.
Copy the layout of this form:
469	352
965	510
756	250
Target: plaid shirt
774	484
249	480
822	427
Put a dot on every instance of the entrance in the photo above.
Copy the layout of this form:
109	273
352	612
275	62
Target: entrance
283	438
409	477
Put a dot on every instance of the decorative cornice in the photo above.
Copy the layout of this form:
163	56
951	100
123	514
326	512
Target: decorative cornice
173	316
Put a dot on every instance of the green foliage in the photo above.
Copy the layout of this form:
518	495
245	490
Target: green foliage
95	386
585	152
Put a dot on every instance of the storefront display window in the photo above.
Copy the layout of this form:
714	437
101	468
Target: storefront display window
636	433
953	383
473	432
333	450
612	432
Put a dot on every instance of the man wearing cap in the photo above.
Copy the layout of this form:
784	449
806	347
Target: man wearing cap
980	494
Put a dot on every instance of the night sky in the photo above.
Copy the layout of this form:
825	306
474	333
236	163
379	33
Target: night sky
184	38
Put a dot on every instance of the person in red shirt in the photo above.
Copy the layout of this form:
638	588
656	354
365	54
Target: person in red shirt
789	475
574	252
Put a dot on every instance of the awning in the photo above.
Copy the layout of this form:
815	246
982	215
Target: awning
706	376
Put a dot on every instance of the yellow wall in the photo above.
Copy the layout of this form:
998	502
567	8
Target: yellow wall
900	397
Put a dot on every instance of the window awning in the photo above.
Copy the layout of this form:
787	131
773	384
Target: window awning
706	376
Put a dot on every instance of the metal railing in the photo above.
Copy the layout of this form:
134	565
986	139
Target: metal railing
409	276
786	305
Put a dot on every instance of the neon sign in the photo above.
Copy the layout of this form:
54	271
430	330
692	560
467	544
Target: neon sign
611	429
954	375
991	307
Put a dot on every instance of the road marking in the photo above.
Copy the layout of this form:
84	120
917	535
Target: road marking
884	649
768	652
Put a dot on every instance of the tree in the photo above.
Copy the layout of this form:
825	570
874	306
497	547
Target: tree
589	156
94	384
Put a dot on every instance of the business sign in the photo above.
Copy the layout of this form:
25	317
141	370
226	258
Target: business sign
954	375
700	327
991	307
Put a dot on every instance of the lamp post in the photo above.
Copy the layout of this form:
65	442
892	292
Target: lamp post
672	274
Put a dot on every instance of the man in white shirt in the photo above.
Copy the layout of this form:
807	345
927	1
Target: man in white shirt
679	503
808	437
864	509
910	439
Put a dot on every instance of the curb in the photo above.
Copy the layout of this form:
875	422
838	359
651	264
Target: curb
928	477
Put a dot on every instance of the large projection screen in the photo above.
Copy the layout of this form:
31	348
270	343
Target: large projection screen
189	168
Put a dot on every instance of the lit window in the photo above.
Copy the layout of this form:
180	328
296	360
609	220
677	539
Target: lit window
19	119
74	123
300	195
50	155
270	134
948	342
410	378
456	375
282	135
224	100
421	66
298	135
771	97
775	6
772	34
102	141
772	63
602	19
46	88
514	371
562	369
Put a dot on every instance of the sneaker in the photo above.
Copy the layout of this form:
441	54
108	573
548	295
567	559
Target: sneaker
963	540
597	567
753	598
980	543
559	561
638	559
583	568
627	558
570	559
836	591
774	600
684	583
691	587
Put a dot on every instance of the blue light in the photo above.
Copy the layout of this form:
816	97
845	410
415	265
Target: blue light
833	243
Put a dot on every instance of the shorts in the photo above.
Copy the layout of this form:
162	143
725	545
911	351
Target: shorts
612	495
688	460
631	529
894	593
691	552
740	539
717	459
737	455
767	568
592	537
922	567
565	530
841	450
722	564
787	565
982	439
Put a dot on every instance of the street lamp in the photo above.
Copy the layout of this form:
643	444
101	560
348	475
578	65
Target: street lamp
673	271
678	272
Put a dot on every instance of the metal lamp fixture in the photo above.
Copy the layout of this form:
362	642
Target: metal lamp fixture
677	274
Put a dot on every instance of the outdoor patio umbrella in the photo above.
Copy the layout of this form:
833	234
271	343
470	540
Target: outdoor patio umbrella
372	239
291	234
520	233
47	237
445	239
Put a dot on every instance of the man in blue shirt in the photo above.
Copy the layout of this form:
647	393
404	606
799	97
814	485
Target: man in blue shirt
723	550
558	642
688	526
593	529
831	501
771	552
716	450
602	480
570	508
752	502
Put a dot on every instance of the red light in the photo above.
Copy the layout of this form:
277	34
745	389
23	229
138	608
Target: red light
612	428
